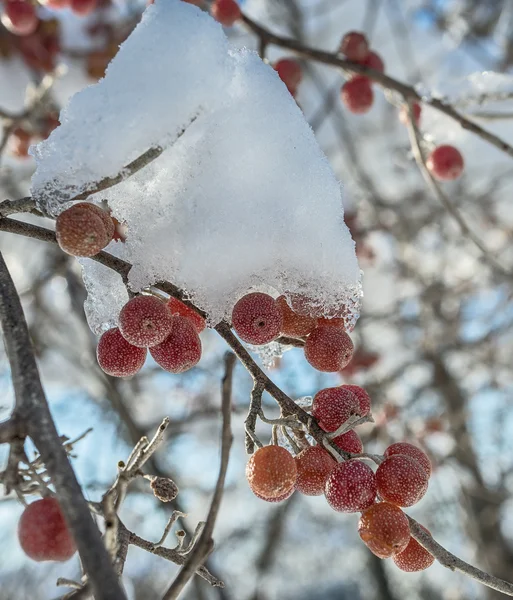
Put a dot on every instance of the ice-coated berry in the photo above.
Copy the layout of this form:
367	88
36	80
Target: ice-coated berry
179	308
411	451
257	318
351	487
333	406
349	442
355	46
294	324
181	350
362	396
103	214
314	465
445	163
80	232
271	472
384	529
117	357
328	349
414	557
401	480
145	321
278	498
357	95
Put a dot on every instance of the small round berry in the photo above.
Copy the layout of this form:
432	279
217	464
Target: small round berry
257	318
277	499
289	71
374	61
351	487
181	350
412	451
414	557
103	214
164	489
328	349
384	529
20	17
226	12
314	465
83	7
80	232
357	95
355	46
294	325
333	406
145	321
362	396
43	533
349	442
445	163
117	357
179	308
271	472
401	480
403	114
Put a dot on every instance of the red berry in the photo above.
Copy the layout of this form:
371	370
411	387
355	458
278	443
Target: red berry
83	7
332	321
411	451
403	114
414	557
351	487
349	442
225	12
257	318
145	321
179	308
401	480
117	357
357	95
294	325
271	472
314	465
374	61
55	4
384	529
80	232
333	406
20	17
278	499
362	396
445	163
43	533
181	350
104	215
328	349
354	46
289	71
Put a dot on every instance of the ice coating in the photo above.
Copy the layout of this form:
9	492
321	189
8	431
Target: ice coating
242	198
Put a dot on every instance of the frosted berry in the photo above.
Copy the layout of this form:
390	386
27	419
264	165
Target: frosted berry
271	472
117	357
103	214
289	71
257	318
401	480
349	442
384	529
314	465
357	95
164	489
80	232
225	12
43	533
294	325
277	499
333	406
445	163
351	487
362	396
333	321
411	451
403	114
83	7
145	321
328	349
181	350
354	46
374	61
179	308
414	557
20	17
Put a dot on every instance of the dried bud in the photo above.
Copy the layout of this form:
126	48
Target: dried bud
164	489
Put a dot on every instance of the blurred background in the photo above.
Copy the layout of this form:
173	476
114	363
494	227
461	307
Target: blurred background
433	343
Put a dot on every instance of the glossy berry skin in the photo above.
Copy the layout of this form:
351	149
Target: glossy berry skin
117	357
357	95
333	406
289	71
314	465
354	46
349	442
414	557
374	61
83	7
43	533
181	350
278	499
145	321
328	349
363	397
257	318
351	487
20	17
411	451
80	232
294	325
104	216
401	480
384	529
445	163
226	12
271	472
179	308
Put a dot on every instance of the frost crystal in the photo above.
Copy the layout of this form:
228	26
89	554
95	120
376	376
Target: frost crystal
241	198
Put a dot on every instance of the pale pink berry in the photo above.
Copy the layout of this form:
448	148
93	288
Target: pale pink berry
20	17
411	451
289	71
357	95
445	163
333	406
328	349
362	396
414	557
355	46
257	318
314	465
349	442
226	12
401	480
181	350
145	321
117	357
351	487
